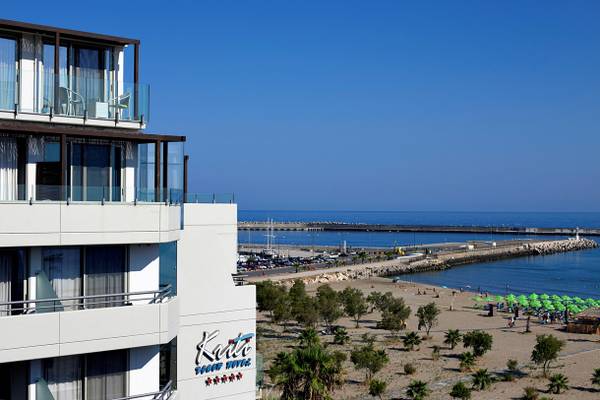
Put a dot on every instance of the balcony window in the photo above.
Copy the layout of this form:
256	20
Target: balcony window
95	376
12	267
95	172
8	73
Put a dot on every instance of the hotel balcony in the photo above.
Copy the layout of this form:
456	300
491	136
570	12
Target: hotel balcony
97	216
63	76
85	100
53	327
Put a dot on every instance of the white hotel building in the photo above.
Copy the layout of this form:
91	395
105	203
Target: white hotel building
115	283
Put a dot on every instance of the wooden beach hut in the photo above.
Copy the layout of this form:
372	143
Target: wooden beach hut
587	321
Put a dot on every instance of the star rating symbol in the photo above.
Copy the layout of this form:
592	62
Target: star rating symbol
217	379
231	377
208	381
239	376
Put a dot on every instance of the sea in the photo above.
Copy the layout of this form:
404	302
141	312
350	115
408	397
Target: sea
573	274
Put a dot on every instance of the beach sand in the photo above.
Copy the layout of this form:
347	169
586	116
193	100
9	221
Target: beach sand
579	358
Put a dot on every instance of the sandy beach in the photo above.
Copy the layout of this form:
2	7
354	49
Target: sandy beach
577	361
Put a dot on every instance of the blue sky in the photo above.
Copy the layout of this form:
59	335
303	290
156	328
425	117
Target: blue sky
371	105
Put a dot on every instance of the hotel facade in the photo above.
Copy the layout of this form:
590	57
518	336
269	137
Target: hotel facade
115	282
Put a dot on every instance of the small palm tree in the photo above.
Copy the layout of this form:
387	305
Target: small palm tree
467	361
377	388
435	353
482	379
411	340
596	377
460	391
453	337
558	383
530	393
308	337
340	336
417	390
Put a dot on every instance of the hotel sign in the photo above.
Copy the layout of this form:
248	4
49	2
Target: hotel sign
223	358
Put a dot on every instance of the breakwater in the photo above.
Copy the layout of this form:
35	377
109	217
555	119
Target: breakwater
439	262
357	227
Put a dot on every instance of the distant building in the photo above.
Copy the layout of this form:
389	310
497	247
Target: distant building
115	283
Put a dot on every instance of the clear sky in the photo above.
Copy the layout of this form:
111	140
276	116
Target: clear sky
370	105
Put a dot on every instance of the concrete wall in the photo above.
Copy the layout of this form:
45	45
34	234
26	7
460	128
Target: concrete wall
29	337
143	268
209	301
144	370
58	224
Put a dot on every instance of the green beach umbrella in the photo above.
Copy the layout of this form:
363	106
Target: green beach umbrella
499	299
555	298
511	299
578	300
544	296
523	303
533	296
535	304
489	299
566	298
477	298
547	304
590	301
550	307
560	307
573	308
522	297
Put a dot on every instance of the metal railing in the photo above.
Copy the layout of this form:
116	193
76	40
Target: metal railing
239	279
84	302
164	394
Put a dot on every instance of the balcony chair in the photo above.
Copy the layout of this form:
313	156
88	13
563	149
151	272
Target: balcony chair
69	100
120	103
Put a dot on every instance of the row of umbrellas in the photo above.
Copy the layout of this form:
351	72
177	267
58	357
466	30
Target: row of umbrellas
543	301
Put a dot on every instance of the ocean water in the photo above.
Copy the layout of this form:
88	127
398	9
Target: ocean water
575	273
516	219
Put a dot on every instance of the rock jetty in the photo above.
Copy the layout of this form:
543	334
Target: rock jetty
442	261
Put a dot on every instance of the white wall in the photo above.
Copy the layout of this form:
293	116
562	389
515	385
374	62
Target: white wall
52	223
209	300
144	370
143	268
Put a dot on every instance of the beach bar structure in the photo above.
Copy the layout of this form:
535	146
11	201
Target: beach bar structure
587	321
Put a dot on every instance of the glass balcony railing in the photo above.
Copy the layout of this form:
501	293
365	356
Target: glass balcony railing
82	96
110	194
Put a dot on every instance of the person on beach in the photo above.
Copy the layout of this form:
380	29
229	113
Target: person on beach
511	322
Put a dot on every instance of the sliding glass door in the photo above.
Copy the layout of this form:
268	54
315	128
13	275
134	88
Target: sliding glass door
105	272
8	73
95	376
63	269
12	272
96	172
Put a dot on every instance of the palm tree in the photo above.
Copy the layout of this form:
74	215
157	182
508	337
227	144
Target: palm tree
417	390
308	337
557	383
482	379
596	377
410	340
453	337
308	372
467	361
530	393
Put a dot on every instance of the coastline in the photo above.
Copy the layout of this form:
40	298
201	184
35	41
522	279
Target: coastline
438	262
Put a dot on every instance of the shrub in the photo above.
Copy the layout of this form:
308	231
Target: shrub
479	341
409	369
377	388
460	391
435	353
512	365
417	390
546	350
596	377
530	393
